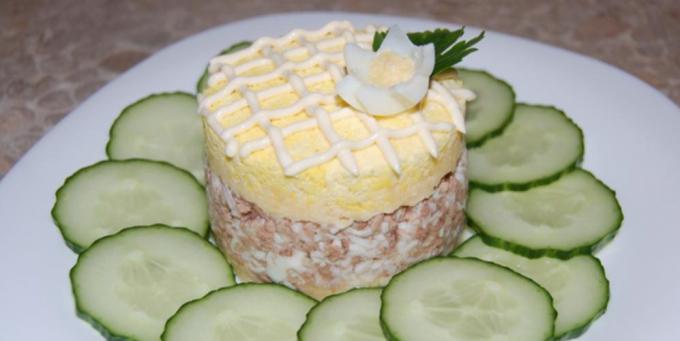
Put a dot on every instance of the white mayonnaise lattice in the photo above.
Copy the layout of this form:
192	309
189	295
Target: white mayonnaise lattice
315	44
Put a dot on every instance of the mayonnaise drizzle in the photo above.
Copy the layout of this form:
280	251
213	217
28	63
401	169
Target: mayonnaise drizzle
313	43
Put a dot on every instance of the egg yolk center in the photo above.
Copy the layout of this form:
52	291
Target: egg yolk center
389	68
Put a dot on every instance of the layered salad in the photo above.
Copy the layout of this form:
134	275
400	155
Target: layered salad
331	165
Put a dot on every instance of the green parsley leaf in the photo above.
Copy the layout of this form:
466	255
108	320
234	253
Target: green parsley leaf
448	50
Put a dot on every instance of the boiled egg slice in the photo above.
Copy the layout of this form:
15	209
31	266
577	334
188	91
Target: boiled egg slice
389	81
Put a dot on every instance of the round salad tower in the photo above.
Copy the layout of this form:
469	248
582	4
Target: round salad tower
333	160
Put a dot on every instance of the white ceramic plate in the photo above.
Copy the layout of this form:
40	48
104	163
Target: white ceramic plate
632	143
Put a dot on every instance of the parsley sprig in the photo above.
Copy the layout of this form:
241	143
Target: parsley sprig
448	50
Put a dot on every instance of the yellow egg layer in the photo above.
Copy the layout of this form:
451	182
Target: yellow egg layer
329	193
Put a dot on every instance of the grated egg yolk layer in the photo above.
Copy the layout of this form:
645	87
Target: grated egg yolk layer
328	193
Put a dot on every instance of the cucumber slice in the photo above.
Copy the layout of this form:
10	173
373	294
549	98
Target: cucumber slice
353	315
128	284
492	109
108	196
540	144
574	215
163	127
465	299
578	286
202	83
246	312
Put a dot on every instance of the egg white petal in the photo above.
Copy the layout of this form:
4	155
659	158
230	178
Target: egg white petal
358	60
348	88
412	91
398	42
426	61
362	94
382	101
